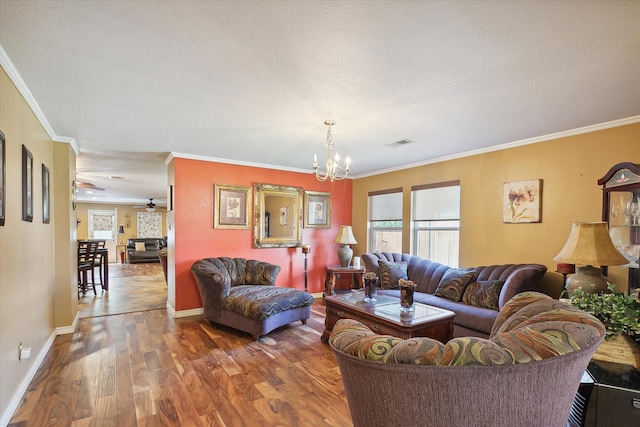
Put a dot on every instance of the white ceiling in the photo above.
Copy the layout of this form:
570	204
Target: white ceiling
253	81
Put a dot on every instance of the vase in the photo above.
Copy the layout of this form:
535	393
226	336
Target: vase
407	289
370	287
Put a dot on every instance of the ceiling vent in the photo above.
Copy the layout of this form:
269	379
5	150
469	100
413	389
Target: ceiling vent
400	143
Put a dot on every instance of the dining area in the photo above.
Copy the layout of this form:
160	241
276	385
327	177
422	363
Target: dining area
93	266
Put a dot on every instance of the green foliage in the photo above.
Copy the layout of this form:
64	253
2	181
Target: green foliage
619	313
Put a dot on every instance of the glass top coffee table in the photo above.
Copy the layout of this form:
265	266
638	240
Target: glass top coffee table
384	317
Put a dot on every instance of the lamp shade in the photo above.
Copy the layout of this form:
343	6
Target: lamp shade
345	236
589	243
121	229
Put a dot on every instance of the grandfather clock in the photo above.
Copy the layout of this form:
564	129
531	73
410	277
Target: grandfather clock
621	210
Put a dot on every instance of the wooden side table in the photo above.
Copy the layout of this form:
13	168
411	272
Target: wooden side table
333	273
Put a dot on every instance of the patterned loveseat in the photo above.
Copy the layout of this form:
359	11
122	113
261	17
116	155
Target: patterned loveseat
526	374
242	294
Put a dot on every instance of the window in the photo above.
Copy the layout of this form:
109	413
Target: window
385	221
102	225
436	221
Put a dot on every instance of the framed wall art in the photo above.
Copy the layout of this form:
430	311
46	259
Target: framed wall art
3	184
317	209
27	184
231	208
46	193
522	202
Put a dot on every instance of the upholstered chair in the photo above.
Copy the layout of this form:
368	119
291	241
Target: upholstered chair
526	374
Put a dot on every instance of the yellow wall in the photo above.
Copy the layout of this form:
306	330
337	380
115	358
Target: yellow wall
27	279
66	252
569	168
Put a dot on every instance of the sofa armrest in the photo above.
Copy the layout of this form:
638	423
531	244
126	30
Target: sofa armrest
212	277
525	278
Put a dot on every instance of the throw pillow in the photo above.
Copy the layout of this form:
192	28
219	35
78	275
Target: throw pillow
452	284
391	272
140	247
483	293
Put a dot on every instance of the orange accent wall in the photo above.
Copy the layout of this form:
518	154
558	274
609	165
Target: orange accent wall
196	238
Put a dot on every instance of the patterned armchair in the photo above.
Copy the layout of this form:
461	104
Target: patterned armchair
526	374
242	294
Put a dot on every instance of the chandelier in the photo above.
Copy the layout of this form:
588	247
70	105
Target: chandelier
335	170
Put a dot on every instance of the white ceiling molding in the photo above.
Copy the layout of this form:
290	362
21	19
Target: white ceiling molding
236	162
14	76
508	145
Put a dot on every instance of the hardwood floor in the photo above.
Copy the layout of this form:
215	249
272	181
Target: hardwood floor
145	368
132	287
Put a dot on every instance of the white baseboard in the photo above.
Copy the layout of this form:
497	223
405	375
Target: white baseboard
17	397
64	330
184	313
187	313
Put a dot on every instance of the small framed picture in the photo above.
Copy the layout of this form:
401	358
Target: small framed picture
231	208
3	175
27	185
46	193
317	209
522	202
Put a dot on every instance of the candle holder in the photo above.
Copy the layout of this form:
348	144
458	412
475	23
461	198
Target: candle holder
407	289
306	249
565	269
370	287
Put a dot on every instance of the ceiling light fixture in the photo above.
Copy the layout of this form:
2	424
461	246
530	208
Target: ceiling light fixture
151	207
335	170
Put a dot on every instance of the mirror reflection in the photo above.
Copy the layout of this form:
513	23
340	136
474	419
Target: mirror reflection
278	216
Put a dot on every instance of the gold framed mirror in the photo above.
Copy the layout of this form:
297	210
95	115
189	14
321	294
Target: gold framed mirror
277	217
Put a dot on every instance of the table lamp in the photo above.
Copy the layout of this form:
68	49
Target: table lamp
120	232
345	238
589	245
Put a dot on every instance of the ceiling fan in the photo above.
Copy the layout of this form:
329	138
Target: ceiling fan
89	186
151	207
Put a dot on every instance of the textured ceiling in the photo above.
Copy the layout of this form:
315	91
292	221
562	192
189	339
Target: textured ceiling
254	81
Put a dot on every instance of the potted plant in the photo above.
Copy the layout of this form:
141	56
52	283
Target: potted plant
619	313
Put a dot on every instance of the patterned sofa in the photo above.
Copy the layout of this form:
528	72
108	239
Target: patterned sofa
241	294
474	294
526	374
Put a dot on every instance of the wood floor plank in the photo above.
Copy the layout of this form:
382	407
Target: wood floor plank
145	406
145	368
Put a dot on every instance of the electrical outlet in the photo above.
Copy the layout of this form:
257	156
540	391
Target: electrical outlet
23	352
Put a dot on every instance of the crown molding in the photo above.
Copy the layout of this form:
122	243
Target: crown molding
174	155
551	136
14	76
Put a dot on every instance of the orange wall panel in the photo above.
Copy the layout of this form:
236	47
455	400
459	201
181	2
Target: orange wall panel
196	237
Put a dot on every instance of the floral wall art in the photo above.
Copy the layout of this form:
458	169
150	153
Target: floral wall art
522	201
